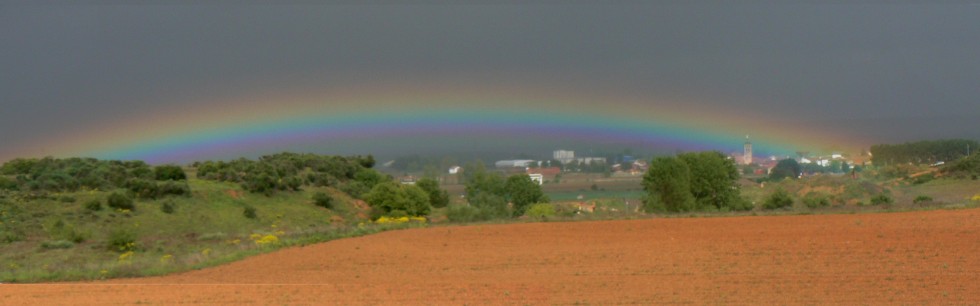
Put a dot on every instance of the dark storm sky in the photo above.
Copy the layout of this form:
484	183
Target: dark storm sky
894	72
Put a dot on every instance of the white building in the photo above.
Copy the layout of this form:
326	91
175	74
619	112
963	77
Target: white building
563	156
514	163
455	169
537	178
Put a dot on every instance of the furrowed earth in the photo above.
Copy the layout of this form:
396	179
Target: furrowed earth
924	257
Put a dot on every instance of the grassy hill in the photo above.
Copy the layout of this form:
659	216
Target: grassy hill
58	238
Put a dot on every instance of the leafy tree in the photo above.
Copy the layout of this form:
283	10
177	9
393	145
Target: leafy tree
437	197
522	192
787	168
668	183
713	180
479	180
389	197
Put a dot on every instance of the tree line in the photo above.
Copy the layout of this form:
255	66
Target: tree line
921	152
73	174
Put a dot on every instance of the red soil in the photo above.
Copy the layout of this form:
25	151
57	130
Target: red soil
897	258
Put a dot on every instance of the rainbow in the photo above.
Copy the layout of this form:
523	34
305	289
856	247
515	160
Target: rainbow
409	119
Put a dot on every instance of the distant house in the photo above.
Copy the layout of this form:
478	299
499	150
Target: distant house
408	180
546	173
537	178
455	169
514	163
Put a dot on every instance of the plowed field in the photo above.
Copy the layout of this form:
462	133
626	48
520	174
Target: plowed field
928	257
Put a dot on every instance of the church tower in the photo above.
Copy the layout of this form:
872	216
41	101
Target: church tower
747	155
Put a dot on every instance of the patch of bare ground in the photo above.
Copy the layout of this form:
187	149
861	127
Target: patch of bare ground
927	257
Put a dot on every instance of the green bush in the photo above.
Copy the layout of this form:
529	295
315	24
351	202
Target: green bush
922	199
815	199
67	199
168	207
922	179
541	211
93	205
323	200
169	173
249	212
881	199
122	240
59	230
778	199
120	201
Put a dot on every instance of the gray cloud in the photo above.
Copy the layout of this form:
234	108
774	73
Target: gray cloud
856	65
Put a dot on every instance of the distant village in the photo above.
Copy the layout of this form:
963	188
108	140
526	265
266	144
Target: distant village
566	161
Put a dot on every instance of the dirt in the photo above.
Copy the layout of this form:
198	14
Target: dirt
930	257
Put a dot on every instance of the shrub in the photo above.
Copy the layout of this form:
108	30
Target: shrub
437	197
173	188
778	199
59	230
168	207
93	205
881	199
541	211
122	240
816	199
169	173
67	199
922	179
323	200
249	212
922	199
120	201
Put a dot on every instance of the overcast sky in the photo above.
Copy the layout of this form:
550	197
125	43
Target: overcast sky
889	72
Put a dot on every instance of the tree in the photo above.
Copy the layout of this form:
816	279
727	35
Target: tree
479	180
713	180
388	198
787	168
668	184
522	192
437	197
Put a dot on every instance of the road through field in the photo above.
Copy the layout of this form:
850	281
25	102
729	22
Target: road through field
930	257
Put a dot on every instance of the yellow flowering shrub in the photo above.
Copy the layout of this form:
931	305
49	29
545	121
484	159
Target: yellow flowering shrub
126	257
976	198
265	240
387	220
